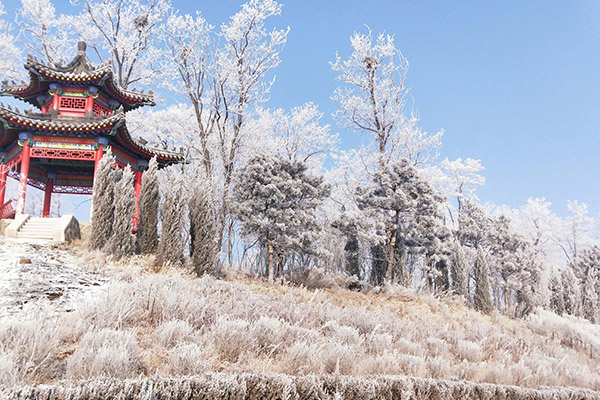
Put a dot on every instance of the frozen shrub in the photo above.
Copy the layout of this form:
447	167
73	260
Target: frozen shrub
299	358
409	347
377	343
231	338
8	369
187	359
27	350
106	352
170	244
411	365
122	240
172	332
383	364
268	333
339	358
467	350
147	235
344	334
438	367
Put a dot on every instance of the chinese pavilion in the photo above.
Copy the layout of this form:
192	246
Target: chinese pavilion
80	114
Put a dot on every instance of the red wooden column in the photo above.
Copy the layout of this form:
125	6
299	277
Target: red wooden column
3	173
23	178
97	157
48	196
138	189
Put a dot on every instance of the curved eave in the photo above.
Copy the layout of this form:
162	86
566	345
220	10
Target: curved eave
163	157
102	77
27	91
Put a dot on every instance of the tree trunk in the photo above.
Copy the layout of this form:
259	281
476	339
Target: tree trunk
391	259
270	262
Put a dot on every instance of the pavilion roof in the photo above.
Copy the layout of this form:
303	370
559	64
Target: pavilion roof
78	72
14	122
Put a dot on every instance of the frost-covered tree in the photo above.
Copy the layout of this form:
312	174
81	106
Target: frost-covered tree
124	32
482	298
275	201
589	268
103	205
571	292
403	208
589	298
507	251
203	229
122	240
147	234
458	271
557	302
225	78
170	245
11	53
45	33
372	99
473	224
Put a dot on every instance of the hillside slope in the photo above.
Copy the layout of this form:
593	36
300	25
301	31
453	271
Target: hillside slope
169	323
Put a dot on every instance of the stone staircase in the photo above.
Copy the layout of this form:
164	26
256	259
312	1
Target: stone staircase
63	229
38	228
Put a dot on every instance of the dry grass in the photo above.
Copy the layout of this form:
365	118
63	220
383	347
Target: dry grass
169	323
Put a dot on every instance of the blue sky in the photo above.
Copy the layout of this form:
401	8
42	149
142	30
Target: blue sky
515	84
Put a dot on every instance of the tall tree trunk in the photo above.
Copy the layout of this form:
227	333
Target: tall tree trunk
391	258
270	262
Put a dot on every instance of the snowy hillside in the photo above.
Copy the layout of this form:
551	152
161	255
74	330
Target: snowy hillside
133	322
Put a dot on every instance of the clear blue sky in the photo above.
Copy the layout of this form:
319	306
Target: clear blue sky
515	84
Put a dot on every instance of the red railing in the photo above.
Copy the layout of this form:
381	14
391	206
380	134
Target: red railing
7	210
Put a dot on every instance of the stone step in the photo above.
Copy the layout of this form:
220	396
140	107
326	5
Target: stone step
35	236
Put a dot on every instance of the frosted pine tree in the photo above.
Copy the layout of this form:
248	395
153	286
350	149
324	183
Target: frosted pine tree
122	241
275	200
405	209
147	235
571	292
170	245
204	233
557	302
103	202
458	271
482	299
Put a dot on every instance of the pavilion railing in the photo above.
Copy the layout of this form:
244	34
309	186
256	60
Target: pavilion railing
7	210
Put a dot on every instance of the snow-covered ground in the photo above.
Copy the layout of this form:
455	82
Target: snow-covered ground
41	274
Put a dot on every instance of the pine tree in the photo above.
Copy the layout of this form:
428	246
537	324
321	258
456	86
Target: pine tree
170	245
275	200
147	234
203	230
122	241
458	271
406	209
378	264
482	299
571	292
351	250
557	302
103	202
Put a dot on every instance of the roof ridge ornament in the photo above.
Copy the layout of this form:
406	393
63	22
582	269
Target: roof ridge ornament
81	47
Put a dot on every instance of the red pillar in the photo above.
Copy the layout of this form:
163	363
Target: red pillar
48	197
138	189
3	173
97	157
23	178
